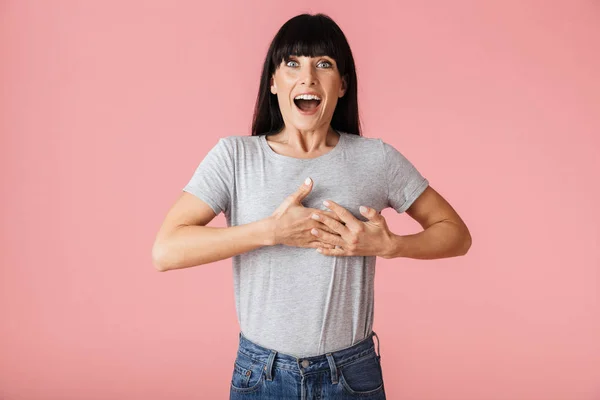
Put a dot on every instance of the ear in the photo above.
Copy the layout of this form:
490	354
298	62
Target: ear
273	86
344	87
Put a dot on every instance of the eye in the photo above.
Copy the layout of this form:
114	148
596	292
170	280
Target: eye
328	64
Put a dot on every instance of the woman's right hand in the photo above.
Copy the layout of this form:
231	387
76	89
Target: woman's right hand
292	222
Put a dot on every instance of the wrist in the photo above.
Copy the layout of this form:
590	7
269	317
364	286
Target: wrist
268	236
393	246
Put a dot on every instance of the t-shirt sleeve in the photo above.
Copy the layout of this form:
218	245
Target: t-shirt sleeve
405	182
213	179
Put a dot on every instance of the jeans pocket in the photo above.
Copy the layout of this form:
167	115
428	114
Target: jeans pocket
363	376
248	374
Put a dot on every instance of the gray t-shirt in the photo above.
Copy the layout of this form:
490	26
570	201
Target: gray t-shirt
293	299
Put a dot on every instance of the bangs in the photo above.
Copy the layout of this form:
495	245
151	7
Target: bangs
309	37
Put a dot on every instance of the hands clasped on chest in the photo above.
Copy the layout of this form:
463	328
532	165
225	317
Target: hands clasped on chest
336	232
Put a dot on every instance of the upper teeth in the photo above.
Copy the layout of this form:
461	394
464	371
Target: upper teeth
307	97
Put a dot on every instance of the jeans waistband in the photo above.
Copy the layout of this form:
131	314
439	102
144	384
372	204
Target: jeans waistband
274	359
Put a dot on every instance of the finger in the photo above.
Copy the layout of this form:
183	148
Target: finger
345	215
333	224
327	237
370	213
328	213
302	191
333	215
320	225
317	243
332	252
327	245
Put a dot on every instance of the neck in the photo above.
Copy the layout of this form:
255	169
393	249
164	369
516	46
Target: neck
308	140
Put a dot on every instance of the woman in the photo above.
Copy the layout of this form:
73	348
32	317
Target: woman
304	270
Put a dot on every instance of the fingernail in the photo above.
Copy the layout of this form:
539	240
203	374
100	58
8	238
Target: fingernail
315	216
307	181
363	209
326	203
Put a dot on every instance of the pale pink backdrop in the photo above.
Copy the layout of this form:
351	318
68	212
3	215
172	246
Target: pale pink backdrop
108	107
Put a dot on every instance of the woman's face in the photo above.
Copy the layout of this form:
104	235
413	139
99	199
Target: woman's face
318	75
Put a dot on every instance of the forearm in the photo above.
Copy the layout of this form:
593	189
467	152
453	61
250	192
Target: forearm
441	240
191	245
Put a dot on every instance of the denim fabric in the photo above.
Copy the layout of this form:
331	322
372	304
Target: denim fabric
350	373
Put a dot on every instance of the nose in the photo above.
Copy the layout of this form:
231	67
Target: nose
308	76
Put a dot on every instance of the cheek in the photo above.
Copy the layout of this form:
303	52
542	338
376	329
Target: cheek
284	104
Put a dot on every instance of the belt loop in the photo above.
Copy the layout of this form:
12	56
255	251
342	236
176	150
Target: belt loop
269	366
378	352
333	368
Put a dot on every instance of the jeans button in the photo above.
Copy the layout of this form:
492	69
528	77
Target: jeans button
305	363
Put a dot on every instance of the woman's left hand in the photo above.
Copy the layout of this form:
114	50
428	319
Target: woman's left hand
358	238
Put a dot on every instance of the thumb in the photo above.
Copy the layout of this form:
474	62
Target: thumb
370	213
304	190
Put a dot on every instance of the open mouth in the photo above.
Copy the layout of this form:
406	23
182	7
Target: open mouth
307	106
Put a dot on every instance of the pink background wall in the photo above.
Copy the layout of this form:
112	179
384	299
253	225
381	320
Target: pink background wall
107	108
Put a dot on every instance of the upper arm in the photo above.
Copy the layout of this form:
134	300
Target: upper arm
206	194
187	210
430	207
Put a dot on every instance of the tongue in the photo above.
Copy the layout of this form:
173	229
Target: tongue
307	105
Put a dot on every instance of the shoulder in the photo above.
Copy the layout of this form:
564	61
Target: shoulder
364	145
391	154
239	140
359	139
232	142
239	146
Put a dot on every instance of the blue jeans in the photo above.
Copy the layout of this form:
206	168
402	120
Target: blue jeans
350	373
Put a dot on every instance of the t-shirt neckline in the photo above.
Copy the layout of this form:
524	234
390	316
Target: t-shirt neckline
288	159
